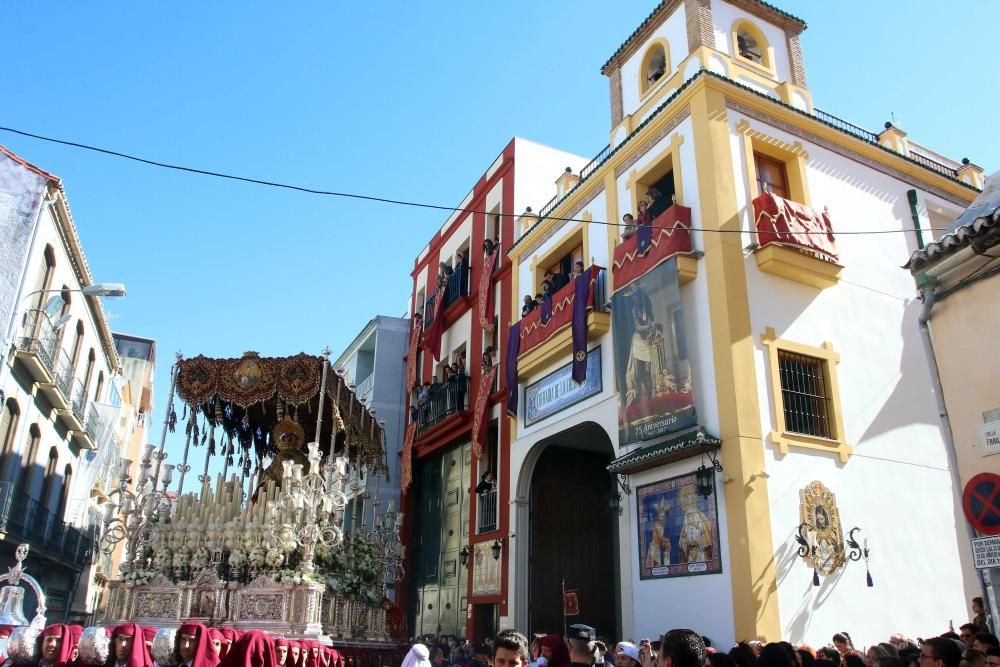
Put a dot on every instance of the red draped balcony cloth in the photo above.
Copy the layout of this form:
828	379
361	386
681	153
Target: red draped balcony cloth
671	235
789	223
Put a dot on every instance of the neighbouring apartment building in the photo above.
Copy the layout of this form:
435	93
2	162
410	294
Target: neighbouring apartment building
373	365
726	409
62	390
959	279
456	581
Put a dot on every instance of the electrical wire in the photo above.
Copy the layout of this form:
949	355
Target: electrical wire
397	202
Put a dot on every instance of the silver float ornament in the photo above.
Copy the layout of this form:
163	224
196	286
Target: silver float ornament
163	647
95	646
22	645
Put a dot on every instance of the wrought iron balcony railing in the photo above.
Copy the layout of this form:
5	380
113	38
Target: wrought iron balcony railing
442	401
25	519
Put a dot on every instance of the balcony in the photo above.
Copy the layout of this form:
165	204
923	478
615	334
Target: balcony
429	310
487	512
58	391
24	519
365	387
795	242
667	236
543	342
37	346
444	400
457	285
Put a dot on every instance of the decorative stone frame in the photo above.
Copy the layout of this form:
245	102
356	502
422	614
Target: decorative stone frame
645	87
785	439
766	50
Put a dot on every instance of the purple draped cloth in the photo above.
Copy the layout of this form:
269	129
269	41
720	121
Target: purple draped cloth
546	307
510	366
644	237
581	300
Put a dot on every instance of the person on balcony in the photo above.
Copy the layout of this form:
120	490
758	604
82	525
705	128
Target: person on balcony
487	483
629	221
488	358
644	217
656	203
558	279
457	386
577	270
528	306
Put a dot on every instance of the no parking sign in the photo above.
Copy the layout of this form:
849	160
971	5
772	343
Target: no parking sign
981	503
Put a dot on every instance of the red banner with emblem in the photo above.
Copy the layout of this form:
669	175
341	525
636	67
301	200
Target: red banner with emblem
480	416
486	291
432	337
571	603
406	466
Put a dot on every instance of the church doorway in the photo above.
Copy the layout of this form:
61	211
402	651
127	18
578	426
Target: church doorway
573	533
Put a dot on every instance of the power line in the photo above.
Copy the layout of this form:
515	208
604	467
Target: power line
397	202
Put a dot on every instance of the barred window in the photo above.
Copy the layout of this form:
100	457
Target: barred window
804	395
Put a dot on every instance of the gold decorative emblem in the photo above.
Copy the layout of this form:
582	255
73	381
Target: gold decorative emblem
249	372
581	355
819	513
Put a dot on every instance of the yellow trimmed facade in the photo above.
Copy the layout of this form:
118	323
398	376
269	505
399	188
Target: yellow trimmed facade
702	122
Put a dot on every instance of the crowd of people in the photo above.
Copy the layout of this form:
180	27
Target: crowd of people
553	280
649	208
435	397
974	646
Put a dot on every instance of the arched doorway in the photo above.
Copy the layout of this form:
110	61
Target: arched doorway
573	532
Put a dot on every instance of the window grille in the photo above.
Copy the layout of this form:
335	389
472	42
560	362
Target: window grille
804	396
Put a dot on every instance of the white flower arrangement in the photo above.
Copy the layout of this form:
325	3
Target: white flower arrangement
274	558
293	577
237	558
257	557
180	558
162	560
200	559
140	576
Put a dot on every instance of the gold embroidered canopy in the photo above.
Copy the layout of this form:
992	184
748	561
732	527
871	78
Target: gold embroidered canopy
248	397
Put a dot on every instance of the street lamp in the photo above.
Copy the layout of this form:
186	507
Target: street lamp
103	289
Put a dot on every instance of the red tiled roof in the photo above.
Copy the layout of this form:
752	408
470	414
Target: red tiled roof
20	160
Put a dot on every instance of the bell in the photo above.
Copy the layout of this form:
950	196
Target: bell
12	606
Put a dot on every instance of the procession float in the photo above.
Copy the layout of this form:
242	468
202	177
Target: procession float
262	544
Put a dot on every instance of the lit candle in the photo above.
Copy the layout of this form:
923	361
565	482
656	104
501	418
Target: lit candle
812	538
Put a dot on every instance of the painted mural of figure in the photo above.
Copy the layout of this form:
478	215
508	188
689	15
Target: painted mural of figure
658	551
697	531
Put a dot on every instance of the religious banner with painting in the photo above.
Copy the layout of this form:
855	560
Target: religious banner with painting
416	325
486	291
678	529
651	359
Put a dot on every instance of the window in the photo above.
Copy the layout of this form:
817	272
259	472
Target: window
100	386
747	46
771	175
91	358
49	483
67	482
8	431
654	66
26	476
77	344
804	395
804	387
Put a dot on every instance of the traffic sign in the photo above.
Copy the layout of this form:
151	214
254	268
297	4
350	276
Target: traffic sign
981	503
986	552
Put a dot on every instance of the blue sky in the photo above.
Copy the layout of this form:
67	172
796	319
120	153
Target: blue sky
404	100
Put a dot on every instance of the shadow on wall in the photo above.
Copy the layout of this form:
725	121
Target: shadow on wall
898	409
788	563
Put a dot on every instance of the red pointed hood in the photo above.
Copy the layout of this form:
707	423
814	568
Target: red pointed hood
204	654
65	654
139	655
253	649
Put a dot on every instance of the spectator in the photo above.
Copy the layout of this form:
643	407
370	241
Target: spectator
806	657
488	358
643	217
968	634
656	203
629	230
437	656
776	654
940	652
984	641
842	642
993	657
626	655
684	648
528	306
829	653
973	658
889	649
487	483
554	651
539	298
873	653
979	615
510	649
579	640
743	655
559	279
577	270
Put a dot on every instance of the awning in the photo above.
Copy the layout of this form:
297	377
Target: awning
684	445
